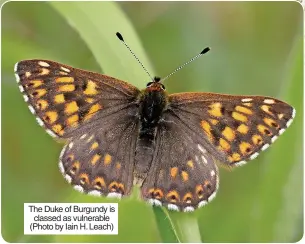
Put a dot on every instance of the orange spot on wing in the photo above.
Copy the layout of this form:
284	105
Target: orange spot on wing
42	104
35	83
158	193
84	179
213	121
215	109
95	158
257	139
224	145
118	165
113	186
71	107
91	88
199	191
243	110
188	198
107	159
235	157
99	182
66	88
173	196
59	98
228	133
239	116
174	172
72	120
89	100
245	148
94	108
67	79
51	117
185	176
271	122
94	146
266	109
39	93
190	164
243	129
207	128
75	167
58	129
264	130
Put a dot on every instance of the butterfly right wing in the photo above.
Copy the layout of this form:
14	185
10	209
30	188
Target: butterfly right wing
64	98
100	159
183	176
234	129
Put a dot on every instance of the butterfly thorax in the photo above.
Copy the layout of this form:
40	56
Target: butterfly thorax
152	102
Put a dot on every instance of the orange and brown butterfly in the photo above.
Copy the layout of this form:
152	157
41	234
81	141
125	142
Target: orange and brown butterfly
117	135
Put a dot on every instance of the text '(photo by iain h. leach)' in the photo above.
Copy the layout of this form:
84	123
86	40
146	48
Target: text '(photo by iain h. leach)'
70	218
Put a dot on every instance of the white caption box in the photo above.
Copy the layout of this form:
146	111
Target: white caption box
70	218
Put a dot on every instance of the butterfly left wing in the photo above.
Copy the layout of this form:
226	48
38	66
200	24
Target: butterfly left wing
64	98
183	176
234	129
99	159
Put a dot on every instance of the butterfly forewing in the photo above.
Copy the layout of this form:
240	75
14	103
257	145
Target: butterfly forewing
64	98
232	128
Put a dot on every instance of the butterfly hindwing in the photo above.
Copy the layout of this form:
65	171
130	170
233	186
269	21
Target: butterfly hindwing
183	175
100	161
64	98
233	128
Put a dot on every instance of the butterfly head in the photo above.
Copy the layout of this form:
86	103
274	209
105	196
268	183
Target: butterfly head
155	85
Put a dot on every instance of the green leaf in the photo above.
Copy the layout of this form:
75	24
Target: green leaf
165	225
97	23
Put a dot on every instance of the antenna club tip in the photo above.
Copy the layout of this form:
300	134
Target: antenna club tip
205	50
118	34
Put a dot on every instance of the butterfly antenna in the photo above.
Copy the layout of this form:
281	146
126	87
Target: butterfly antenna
122	40
191	60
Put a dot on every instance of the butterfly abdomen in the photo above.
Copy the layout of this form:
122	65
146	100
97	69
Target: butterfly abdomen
152	104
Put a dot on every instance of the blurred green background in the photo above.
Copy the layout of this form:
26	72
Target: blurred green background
256	49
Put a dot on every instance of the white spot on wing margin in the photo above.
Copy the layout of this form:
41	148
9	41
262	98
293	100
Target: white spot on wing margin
61	168
16	67
265	147
25	97
31	109
173	207
114	195
79	188
40	122
188	209
244	100
94	193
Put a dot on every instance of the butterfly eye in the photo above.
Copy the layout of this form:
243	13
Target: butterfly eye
163	87
149	84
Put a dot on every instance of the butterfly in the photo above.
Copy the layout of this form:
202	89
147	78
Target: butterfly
118	136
